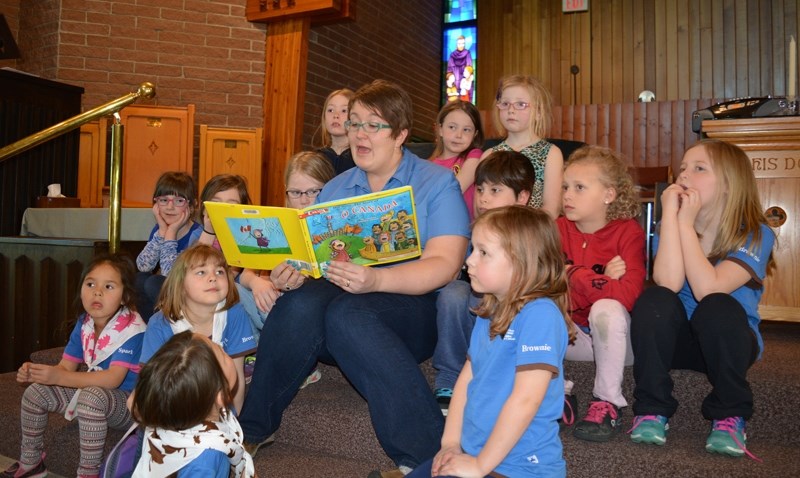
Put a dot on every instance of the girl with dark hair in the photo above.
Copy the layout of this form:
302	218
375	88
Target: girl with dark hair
108	339
458	145
183	398
174	204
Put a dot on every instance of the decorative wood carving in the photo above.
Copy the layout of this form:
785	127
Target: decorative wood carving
267	11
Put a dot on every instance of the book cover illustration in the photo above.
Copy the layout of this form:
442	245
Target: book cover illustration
367	230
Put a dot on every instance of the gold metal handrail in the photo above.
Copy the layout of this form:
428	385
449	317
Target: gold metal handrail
146	90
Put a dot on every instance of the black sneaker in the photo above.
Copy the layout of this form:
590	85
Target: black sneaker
568	417
601	423
443	396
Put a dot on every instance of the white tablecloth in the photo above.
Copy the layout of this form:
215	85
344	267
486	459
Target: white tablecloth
88	223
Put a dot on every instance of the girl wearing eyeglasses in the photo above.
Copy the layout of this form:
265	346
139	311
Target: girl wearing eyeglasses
522	114
174	203
306	173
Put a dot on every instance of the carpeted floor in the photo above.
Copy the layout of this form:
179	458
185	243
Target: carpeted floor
326	432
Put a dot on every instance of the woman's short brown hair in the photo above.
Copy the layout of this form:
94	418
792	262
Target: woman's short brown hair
388	101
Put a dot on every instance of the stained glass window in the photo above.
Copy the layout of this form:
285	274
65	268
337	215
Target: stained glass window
459	10
460	53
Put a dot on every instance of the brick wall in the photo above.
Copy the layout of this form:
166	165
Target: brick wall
396	41
206	52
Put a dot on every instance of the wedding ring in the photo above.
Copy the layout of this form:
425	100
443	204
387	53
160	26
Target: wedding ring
347	284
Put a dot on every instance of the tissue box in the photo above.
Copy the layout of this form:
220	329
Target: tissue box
44	201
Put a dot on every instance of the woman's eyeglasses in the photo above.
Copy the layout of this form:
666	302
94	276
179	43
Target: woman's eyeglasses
368	126
517	105
178	201
295	194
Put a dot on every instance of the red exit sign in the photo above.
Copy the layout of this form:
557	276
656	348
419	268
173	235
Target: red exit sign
574	6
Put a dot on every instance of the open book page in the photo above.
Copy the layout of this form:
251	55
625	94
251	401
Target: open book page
375	228
258	237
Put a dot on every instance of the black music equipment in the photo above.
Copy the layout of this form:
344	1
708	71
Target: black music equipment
744	108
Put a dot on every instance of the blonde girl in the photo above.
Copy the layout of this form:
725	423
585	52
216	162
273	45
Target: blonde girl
604	247
183	398
458	142
107	338
523	115
510	393
713	250
335	145
198	296
305	175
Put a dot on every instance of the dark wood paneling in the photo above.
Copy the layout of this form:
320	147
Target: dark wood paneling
681	49
40	279
29	104
647	134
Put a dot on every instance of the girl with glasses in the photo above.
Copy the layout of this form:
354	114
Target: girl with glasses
174	203
522	114
306	173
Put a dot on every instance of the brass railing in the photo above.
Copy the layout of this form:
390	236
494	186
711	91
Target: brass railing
146	90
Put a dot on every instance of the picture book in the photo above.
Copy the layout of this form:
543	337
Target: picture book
376	228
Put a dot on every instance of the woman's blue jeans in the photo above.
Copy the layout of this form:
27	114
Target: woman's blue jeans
454	323
377	339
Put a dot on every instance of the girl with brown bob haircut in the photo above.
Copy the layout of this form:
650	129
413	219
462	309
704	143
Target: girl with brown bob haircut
200	295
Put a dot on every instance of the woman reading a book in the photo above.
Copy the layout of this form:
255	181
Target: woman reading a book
375	323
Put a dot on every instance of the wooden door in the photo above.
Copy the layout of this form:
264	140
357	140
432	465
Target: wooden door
157	139
231	151
92	163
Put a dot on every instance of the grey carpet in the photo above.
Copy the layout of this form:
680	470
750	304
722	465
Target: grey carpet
327	433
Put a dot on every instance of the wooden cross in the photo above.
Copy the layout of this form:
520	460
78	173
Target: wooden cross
285	79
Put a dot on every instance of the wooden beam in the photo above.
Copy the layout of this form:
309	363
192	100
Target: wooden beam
264	11
284	100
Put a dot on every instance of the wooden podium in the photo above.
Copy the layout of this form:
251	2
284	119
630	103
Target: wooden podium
773	145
